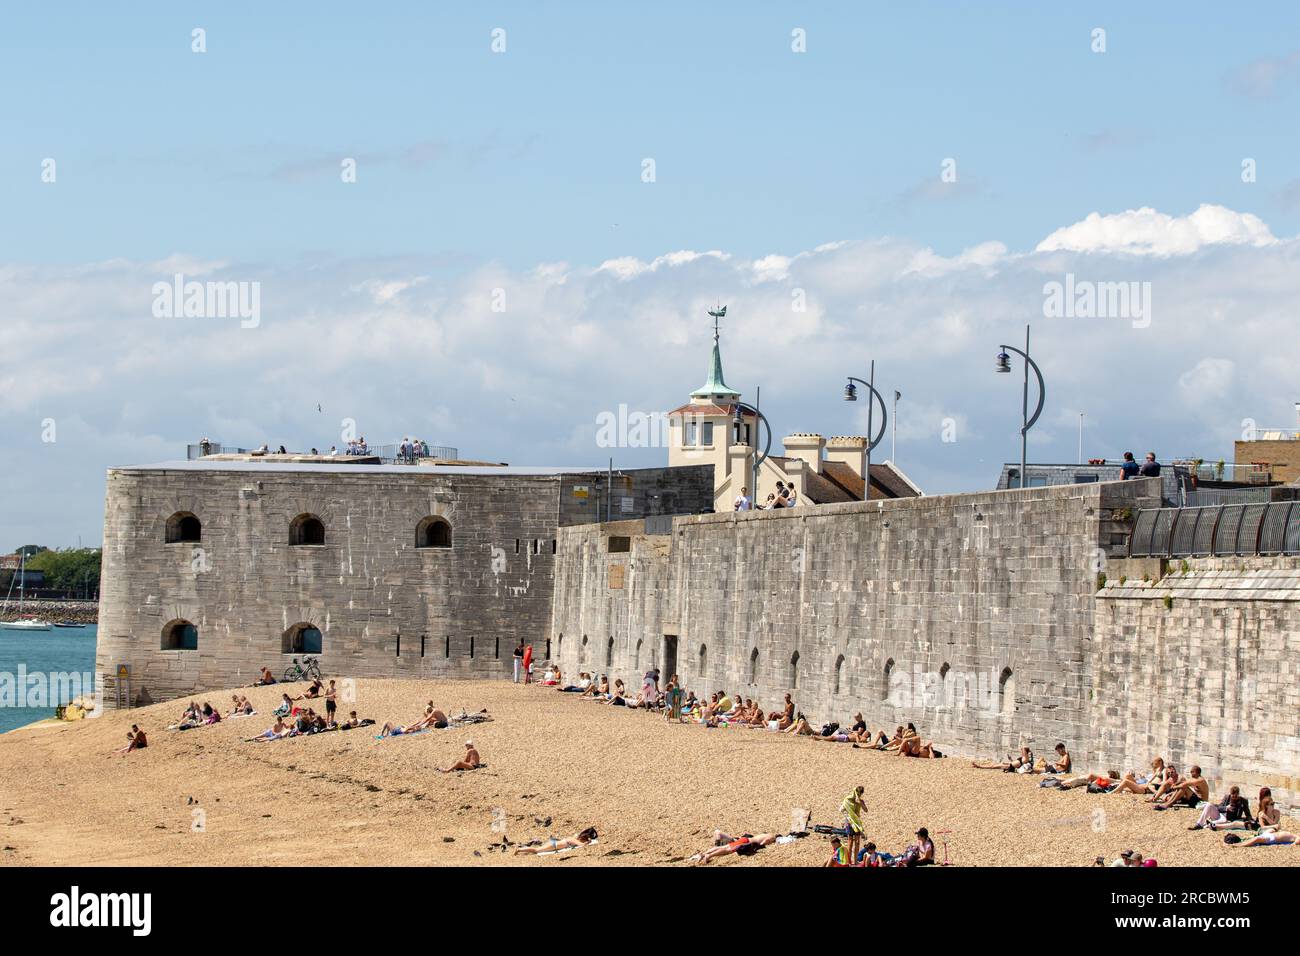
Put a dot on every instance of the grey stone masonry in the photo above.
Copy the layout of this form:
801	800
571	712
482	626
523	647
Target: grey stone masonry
970	615
384	607
1198	661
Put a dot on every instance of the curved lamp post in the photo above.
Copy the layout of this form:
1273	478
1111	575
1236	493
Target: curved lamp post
851	395
1027	420
739	419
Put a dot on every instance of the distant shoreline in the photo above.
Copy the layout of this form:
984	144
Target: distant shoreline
79	612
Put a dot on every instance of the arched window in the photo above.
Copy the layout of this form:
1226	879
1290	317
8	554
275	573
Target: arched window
839	668
609	653
433	532
945	691
306	529
753	666
636	659
704	661
889	673
301	638
180	635
183	526
1006	692
794	670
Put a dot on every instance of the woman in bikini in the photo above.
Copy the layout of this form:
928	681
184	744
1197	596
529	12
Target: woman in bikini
1270	819
551	844
1132	783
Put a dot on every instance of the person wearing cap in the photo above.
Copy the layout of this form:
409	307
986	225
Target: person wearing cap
470	760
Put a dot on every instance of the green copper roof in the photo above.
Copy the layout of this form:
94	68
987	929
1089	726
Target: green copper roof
715	385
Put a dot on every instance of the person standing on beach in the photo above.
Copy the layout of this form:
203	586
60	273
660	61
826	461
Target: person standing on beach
519	659
528	663
331	703
854	808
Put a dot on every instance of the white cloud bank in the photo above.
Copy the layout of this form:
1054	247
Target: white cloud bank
1146	232
515	365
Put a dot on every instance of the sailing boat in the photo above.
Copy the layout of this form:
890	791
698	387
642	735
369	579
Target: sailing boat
28	622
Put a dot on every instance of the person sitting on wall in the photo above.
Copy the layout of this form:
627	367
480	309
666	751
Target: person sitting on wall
1128	468
1188	792
266	679
469	761
1150	468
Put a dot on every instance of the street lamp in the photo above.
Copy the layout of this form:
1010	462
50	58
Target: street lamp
738	419
851	395
1027	421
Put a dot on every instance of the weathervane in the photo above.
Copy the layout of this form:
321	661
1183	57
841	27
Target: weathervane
719	313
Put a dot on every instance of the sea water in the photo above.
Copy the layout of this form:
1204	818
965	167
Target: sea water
43	653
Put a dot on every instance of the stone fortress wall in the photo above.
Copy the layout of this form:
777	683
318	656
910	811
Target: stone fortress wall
976	616
384	607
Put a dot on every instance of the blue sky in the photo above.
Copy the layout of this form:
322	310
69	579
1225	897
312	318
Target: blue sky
535	154
523	171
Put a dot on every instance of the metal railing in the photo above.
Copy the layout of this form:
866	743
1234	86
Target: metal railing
1258	528
388	452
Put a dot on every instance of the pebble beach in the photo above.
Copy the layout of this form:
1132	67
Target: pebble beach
554	764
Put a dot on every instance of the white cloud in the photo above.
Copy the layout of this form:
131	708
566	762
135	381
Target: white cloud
1148	232
1208	381
405	346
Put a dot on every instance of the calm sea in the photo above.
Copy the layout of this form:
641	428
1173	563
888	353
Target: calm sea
41	652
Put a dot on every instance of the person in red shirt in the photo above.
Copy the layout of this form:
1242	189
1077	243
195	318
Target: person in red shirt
528	663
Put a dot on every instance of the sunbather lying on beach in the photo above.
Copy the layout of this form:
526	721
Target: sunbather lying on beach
468	761
1010	765
724	845
1093	781
551	844
1270	818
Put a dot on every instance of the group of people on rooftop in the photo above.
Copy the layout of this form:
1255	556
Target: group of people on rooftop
785	496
